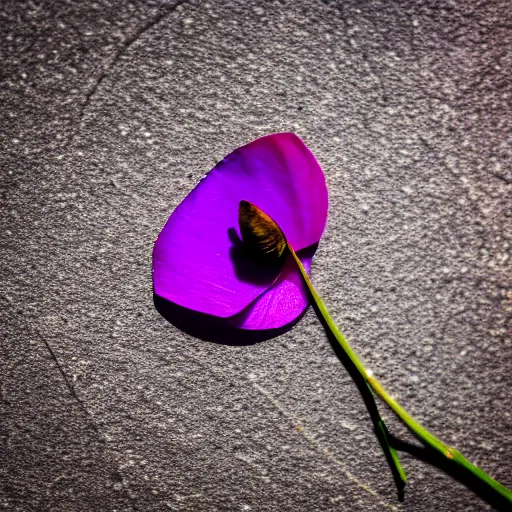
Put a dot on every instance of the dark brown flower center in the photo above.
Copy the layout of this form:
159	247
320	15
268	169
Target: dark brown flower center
260	232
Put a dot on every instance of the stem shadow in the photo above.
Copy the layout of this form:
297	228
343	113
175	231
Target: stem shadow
423	453
369	401
451	468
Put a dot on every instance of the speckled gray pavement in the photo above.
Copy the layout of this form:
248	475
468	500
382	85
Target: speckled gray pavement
112	111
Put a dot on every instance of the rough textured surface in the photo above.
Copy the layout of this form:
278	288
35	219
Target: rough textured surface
111	112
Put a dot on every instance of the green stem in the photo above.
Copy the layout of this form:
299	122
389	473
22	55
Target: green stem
450	453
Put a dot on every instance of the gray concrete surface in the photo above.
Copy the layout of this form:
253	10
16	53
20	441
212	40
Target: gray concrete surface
112	111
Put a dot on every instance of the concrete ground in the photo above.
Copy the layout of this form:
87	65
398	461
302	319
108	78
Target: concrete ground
111	111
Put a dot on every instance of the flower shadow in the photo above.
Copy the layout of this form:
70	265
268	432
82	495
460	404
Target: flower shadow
215	329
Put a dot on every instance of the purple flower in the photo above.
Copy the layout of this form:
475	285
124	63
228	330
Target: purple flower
199	261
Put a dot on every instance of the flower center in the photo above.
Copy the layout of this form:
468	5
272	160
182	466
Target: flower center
260	232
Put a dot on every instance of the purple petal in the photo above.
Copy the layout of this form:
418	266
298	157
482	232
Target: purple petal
281	304
198	262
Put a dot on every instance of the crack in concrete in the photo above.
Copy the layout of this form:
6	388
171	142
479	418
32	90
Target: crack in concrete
87	413
113	60
70	386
